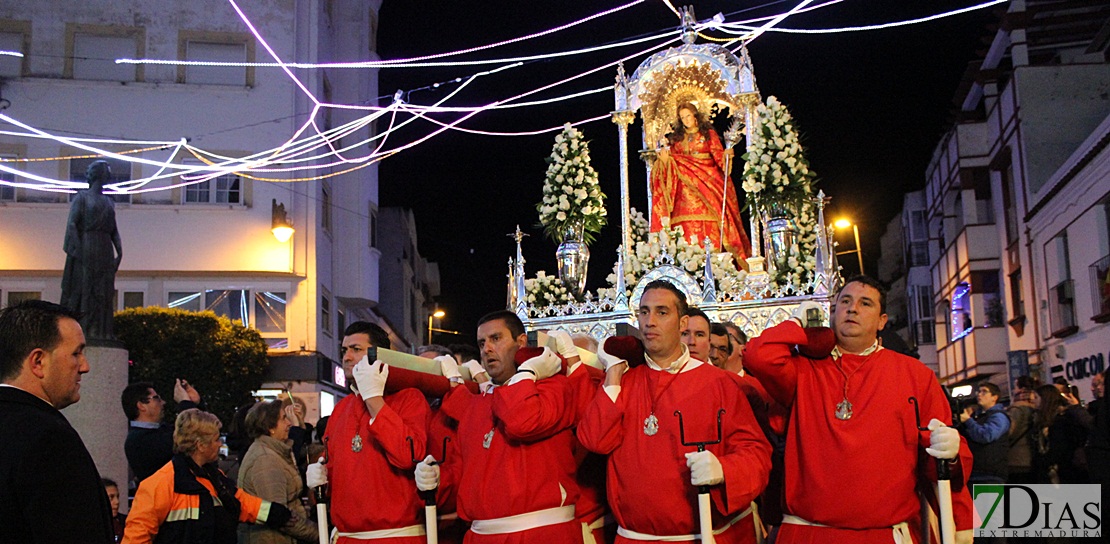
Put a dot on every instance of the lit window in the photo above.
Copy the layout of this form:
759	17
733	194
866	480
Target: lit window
961	311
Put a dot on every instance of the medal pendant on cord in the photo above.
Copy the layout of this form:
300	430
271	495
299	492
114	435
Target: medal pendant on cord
651	425
844	410
487	439
356	443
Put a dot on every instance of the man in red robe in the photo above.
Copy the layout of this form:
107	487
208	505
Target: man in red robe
517	477
653	478
853	444
368	459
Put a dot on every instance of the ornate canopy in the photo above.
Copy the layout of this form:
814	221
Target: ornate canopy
708	75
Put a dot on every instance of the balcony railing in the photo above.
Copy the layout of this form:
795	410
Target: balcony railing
924	332
1061	302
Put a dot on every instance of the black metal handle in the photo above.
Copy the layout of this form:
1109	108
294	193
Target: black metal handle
942	464
428	496
702	489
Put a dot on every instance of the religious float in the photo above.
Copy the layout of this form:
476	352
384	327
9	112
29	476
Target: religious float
692	234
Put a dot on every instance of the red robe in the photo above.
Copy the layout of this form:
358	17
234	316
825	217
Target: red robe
648	481
441	426
585	381
689	189
772	418
529	464
857	475
374	488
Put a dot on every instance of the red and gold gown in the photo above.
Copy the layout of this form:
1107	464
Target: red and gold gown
687	187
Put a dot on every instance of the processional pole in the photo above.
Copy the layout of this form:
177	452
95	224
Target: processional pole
623	117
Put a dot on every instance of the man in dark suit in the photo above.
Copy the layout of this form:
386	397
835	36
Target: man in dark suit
50	490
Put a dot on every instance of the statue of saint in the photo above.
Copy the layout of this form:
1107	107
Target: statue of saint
93	254
688	185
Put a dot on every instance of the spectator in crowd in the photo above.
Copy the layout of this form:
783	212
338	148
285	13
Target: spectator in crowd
118	520
1098	445
464	353
268	472
1098	389
149	443
50	490
1067	426
987	431
585	342
431	351
189	501
1024	432
696	334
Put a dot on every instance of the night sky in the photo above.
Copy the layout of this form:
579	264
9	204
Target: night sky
870	107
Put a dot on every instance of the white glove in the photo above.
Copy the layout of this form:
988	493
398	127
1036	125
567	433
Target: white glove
316	475
563	344
476	369
801	313
705	469
370	378
944	442
427	474
486	387
544	365
608	361
449	367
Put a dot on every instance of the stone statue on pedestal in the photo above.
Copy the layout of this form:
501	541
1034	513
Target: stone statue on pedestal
93	254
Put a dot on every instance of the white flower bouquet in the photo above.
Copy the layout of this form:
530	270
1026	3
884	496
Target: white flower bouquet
571	194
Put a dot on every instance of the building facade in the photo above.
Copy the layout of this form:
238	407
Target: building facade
208	245
1015	202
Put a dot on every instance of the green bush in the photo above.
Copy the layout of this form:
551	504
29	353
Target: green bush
223	361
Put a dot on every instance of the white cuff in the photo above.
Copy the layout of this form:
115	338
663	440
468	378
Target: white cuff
521	376
613	391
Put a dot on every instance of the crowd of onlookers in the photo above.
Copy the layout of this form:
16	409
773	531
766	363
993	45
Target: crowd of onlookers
1045	435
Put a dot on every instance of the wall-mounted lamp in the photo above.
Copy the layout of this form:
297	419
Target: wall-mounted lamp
282	227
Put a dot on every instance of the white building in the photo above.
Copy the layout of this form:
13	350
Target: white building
206	246
1016	201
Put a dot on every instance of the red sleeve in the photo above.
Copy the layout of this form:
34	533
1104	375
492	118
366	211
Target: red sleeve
584	382
746	461
770	357
717	150
535	410
600	428
455	402
405	415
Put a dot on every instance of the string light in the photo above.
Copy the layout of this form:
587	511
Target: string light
72	157
392	64
527	133
882	26
11	54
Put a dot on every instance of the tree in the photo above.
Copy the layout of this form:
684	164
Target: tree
223	360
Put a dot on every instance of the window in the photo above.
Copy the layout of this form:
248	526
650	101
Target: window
918	240
259	309
121	171
95	53
228	190
373	226
961	311
216	52
232	47
1009	203
325	311
133	299
985	283
340	319
1061	296
7	192
15	297
13	41
1017	296
325	206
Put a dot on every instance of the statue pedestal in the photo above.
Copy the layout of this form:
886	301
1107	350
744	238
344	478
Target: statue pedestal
98	416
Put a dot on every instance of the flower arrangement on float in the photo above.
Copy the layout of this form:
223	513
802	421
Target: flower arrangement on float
647	246
544	290
572	197
780	185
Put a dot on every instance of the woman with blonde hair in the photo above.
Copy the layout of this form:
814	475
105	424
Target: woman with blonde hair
268	471
189	500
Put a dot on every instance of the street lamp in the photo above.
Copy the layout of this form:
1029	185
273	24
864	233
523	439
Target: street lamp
282	226
843	223
434	315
